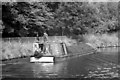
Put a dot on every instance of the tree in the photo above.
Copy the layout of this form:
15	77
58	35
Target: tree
26	17
58	18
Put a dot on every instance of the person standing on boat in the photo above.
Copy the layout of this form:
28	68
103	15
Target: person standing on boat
46	44
45	37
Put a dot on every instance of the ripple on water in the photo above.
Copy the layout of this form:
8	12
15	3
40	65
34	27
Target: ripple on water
106	71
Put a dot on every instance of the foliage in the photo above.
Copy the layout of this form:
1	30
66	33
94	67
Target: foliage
25	18
58	18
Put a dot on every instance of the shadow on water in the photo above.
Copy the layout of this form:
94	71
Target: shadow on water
100	64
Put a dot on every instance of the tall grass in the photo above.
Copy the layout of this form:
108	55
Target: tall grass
15	49
102	40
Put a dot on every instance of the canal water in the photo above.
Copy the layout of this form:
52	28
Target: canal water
103	64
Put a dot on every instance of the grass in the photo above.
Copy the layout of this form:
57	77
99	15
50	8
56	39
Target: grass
104	40
15	49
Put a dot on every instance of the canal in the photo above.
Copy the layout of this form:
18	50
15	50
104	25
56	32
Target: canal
102	64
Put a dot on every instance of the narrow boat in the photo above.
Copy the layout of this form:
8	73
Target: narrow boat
55	51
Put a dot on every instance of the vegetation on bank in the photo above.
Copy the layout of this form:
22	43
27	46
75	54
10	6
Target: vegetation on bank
102	40
15	49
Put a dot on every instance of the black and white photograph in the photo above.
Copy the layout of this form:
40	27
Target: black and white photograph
59	40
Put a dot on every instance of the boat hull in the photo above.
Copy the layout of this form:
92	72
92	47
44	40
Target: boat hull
44	59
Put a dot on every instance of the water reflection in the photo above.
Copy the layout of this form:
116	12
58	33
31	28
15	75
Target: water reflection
48	69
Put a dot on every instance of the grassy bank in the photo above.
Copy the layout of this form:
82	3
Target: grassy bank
15	49
102	40
21	47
